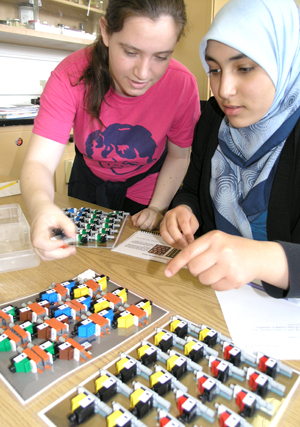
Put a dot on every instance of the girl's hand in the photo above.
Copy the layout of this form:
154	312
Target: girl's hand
228	262
179	226
48	218
147	219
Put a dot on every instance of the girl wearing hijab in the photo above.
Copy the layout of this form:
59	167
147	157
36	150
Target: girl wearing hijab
241	193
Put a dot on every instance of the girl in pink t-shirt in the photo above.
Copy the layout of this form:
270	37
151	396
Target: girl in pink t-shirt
132	109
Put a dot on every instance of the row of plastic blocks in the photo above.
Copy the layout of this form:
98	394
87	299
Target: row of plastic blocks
37	358
142	401
266	364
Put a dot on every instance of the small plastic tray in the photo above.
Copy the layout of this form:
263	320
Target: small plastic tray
16	251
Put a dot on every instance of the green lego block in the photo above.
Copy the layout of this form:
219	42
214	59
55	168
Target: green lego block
5	345
22	363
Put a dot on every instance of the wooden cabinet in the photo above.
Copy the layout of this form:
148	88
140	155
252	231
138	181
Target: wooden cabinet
53	12
12	155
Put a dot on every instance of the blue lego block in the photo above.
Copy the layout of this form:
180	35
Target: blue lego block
50	296
69	285
64	309
86	301
108	313
86	329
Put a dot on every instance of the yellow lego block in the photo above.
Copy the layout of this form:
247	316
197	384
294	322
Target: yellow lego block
171	362
135	397
174	324
121	293
99	382
154	378
81	292
188	347
147	307
158	337
120	364
203	334
125	321
75	402
101	305
102	281
142	350
112	418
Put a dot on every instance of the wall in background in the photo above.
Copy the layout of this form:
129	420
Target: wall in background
199	14
24	72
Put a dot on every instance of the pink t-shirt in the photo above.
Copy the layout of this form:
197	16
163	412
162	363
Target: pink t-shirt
136	128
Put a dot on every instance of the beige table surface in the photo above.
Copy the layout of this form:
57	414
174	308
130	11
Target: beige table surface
182	295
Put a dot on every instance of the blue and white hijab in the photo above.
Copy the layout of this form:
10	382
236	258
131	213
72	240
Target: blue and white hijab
244	164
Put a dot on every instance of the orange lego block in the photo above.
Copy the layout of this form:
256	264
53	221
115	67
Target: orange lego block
31	355
92	285
99	320
75	344
73	306
56	324
42	353
112	298
136	311
36	308
5	316
61	290
21	332
12	336
78	305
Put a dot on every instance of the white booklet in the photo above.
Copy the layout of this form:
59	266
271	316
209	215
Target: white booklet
147	245
10	188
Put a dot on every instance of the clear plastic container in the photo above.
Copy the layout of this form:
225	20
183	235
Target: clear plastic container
16	251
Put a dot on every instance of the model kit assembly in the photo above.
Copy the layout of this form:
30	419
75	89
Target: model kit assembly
183	374
94	228
66	325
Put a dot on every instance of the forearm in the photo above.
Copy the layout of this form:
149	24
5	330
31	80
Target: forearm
273	264
168	182
36	186
37	173
292	253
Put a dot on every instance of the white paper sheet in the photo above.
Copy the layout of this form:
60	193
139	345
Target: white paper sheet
258	322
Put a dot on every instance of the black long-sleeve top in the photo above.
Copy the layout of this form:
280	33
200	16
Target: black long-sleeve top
283	220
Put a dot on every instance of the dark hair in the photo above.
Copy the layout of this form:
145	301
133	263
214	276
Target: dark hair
97	77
